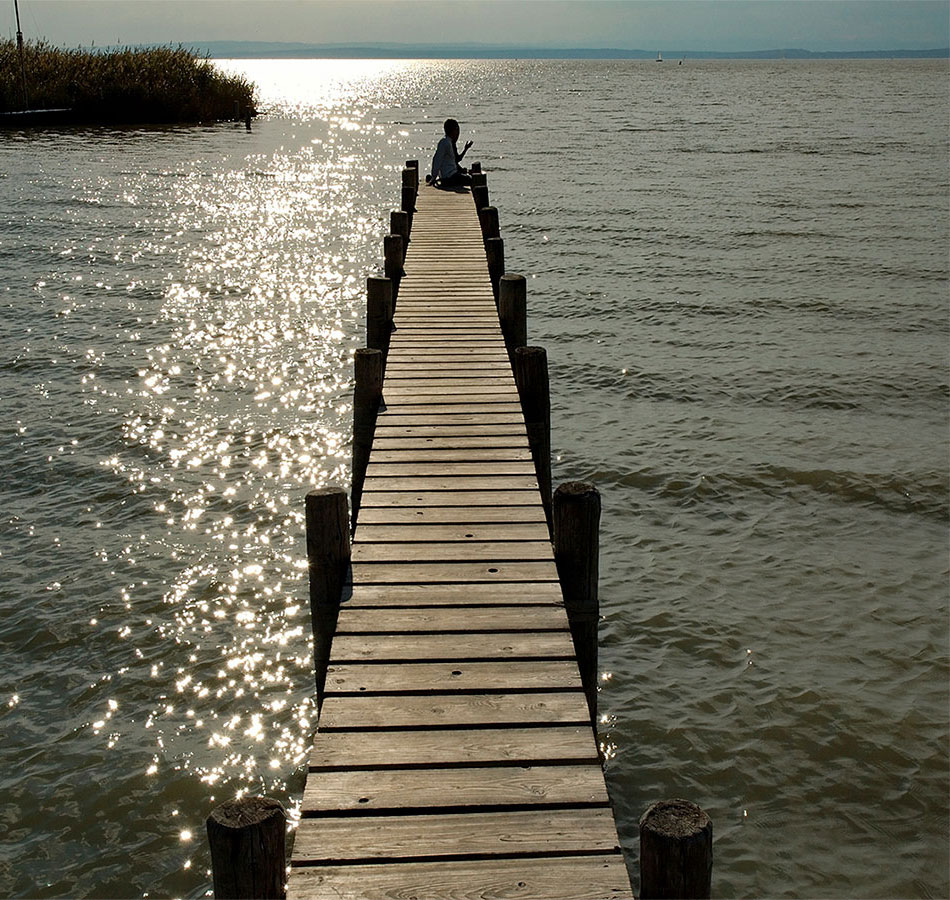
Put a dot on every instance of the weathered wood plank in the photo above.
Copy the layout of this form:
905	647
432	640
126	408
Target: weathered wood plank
460	594
362	712
453	572
397	514
468	646
469	746
451	551
448	620
372	792
499	531
446	677
459	483
444	470
587	830
411	452
432	498
545	878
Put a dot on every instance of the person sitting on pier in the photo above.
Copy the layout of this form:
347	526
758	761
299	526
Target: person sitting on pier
446	168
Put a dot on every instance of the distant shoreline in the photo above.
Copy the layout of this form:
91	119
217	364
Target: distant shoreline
273	50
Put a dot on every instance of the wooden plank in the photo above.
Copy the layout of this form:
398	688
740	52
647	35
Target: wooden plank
444	677
385	790
432	498
411	451
547	878
447	620
459	483
361	712
444	470
468	646
464	594
455	551
589	830
396	420
497	439
453	572
499	531
471	746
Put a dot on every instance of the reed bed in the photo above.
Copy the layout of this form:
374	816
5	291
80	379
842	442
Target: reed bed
129	85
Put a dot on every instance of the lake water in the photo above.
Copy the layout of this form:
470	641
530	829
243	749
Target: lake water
739	270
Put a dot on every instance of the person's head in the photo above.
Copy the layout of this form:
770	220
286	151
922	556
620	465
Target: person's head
451	129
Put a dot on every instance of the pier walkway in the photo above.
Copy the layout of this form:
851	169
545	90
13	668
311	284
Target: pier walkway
454	756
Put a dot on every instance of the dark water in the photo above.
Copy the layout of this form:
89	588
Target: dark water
740	273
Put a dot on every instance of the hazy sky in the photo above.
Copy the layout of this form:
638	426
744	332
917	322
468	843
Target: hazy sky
643	24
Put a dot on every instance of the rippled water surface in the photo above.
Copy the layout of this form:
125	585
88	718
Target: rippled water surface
740	273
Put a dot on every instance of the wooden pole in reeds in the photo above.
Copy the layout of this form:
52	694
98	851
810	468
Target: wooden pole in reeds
676	854
575	529
247	838
513	311
531	376
328	555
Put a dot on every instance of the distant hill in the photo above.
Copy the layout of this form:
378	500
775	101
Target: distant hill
274	50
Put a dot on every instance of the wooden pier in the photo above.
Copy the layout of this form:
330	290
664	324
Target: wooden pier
454	755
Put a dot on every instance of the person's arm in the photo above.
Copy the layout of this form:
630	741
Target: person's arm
458	156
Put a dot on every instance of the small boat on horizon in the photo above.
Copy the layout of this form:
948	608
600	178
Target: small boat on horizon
659	56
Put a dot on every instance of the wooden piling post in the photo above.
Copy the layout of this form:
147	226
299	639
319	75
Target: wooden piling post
531	376
479	178
476	168
408	202
513	311
488	219
399	224
379	314
575	521
247	838
675	851
367	395
480	195
393	256
495	251
414	165
328	554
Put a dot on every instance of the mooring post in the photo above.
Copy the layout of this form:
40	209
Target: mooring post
495	251
328	555
367	395
410	187
488	219
475	168
480	195
479	178
399	224
393	256
531	377
379	314
247	839
513	311
675	851
575	519
414	165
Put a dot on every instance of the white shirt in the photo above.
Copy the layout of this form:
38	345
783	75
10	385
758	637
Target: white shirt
443	163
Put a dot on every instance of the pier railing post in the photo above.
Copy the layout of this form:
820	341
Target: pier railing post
495	251
379	314
476	168
414	165
247	838
393	256
531	376
575	513
410	187
367	395
675	851
399	224
513	311
328	555
488	219
480	194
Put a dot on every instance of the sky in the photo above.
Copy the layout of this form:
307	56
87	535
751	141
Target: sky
712	25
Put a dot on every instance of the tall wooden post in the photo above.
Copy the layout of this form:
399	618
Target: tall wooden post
379	314
367	395
675	851
575	516
393	256
399	224
247	838
479	179
513	311
475	168
495	251
414	165
531	376
480	195
488	219
328	554
408	202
